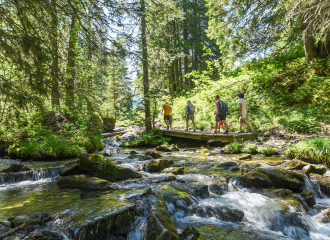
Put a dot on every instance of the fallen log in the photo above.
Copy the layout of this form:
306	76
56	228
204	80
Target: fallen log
6	234
112	134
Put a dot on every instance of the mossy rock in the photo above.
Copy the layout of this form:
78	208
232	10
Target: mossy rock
153	154
174	170
273	177
308	198
14	167
160	223
310	168
205	151
85	182
294	165
282	192
173	193
163	148
98	166
159	165
189	233
323	181
245	157
219	187
227	165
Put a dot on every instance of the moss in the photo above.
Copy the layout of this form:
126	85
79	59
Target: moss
295	165
323	181
174	170
159	165
83	182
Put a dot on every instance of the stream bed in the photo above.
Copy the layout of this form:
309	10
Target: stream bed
192	199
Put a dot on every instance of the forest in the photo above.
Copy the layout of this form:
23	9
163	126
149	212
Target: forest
82	89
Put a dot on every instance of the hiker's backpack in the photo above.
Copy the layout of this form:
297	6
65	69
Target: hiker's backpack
223	108
191	109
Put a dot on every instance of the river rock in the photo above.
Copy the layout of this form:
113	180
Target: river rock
15	168
308	198
5	223
163	148
219	187
4	229
85	182
153	154
158	165
98	166
227	165
133	152
282	192
310	168
46	234
190	233
223	213
174	170
294	165
323	181
177	195
245	157
70	168
160	223
205	151
273	177
199	190
30	219
324	216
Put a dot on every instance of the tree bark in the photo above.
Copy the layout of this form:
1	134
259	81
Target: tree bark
185	41
55	96
309	46
145	68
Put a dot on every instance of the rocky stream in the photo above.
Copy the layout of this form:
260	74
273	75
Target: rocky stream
172	193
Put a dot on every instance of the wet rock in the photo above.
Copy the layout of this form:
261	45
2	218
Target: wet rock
133	156
230	215
200	190
133	152
15	168
174	148
158	165
205	151
310	168
174	170
112	237
98	166
278	192
323	217
85	182
6	223
46	234
160	223
227	164
177	195
163	148
146	157
70	168
295	165
220	187
273	177
234	169
153	154
116	223
308	198
323	181
245	157
30	219
190	233
4	229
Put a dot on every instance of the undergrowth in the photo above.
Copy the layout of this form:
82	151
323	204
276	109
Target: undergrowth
151	139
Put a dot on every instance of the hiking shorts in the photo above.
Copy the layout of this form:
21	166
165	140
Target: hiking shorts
166	117
221	117
190	116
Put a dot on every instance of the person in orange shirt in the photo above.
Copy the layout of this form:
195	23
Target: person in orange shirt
167	112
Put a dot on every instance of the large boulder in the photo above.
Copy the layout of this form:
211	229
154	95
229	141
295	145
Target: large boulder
98	166
158	165
323	181
227	165
174	170
56	120
294	165
178	196
85	182
160	223
273	177
163	148
219	187
310	168
190	233
308	198
153	154
223	213
70	168
14	167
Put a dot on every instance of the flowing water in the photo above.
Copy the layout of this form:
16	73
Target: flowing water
36	190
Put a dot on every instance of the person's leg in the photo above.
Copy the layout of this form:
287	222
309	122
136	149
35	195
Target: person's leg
240	124
225	123
247	123
216	126
193	121
187	120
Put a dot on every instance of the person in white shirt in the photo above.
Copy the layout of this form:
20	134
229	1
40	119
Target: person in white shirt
243	113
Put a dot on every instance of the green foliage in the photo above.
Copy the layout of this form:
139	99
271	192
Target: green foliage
307	125
118	138
250	148
268	150
313	150
101	162
151	139
233	147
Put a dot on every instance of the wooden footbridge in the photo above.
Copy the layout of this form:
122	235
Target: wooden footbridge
209	136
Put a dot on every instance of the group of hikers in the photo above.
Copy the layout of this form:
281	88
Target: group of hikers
220	114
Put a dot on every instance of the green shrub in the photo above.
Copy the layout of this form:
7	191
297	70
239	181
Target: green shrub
233	147
268	151
250	148
118	138
151	139
313	150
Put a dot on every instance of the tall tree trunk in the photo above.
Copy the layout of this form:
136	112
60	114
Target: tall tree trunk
71	68
309	46
185	41
145	68
55	96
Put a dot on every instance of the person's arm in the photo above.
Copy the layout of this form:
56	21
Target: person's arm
186	111
240	109
217	109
